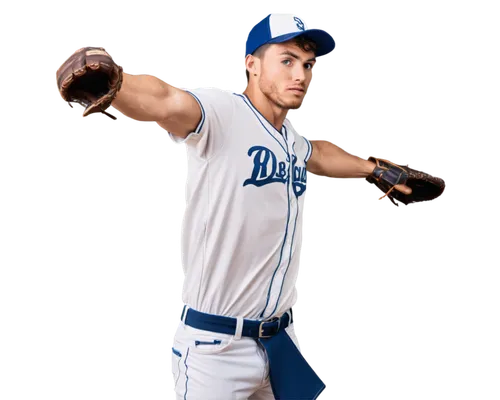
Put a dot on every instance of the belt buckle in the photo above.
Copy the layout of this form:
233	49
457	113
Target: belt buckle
261	329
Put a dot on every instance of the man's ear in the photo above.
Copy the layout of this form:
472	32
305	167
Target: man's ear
251	66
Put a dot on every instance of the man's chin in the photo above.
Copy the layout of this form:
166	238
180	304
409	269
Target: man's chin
293	105
288	104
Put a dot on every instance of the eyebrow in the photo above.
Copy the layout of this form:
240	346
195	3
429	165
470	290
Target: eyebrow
289	53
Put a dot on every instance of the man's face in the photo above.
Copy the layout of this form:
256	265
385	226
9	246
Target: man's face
285	74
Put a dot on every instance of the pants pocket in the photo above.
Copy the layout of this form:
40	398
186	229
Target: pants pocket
213	346
203	342
176	365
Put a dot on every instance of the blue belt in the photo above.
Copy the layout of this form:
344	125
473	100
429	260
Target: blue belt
291	376
251	328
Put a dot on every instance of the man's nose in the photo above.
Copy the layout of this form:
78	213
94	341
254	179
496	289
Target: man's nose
299	75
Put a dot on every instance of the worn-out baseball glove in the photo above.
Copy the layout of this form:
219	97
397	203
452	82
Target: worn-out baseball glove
387	175
90	77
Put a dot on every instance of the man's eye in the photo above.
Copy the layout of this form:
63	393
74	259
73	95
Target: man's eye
286	61
309	66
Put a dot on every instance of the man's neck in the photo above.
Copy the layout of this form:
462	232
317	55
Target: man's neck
274	114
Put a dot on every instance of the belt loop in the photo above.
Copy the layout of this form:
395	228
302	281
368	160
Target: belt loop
239	328
293	315
289	318
186	308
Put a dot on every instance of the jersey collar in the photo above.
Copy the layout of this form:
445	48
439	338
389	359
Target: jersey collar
281	137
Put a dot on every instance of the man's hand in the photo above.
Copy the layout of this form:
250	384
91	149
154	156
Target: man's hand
403	189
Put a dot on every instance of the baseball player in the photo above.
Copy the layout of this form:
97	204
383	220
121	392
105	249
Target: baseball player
242	229
241	239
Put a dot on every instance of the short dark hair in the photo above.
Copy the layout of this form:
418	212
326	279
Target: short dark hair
301	41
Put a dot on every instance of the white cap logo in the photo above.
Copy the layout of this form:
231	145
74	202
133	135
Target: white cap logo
283	24
299	23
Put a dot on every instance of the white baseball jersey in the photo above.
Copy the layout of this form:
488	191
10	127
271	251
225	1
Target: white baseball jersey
242	228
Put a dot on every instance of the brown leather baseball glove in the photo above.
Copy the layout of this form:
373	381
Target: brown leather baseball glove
387	175
90	77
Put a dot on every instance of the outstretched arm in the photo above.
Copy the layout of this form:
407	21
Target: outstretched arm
330	160
147	98
91	77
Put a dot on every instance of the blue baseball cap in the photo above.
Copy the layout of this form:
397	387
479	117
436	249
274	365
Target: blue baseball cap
278	28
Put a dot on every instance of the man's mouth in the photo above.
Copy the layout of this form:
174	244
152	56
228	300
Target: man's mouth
296	90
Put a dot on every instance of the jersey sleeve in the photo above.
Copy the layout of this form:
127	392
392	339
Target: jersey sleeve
308	151
302	146
217	108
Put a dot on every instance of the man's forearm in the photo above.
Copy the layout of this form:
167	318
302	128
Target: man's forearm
142	97
330	160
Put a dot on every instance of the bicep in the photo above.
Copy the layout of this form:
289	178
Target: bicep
183	113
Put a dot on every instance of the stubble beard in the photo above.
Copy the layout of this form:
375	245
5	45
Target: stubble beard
271	92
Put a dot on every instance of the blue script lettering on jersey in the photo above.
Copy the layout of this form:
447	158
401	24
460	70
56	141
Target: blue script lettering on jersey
268	169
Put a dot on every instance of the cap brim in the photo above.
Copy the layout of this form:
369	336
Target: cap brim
323	40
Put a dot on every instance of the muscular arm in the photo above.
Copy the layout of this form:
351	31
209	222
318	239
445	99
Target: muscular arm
330	160
147	98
